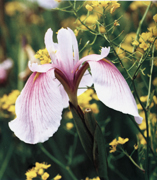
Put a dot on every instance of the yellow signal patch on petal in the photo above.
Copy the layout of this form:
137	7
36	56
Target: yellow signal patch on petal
36	76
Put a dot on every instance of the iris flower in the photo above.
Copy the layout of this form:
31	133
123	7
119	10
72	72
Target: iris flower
52	85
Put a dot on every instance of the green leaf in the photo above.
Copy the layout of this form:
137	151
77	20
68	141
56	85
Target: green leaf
84	134
99	149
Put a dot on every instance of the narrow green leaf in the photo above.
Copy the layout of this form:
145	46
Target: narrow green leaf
83	132
99	154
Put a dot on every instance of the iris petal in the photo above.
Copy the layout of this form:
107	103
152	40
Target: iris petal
38	109
112	89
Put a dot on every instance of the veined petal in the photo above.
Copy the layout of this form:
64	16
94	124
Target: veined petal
75	46
38	109
93	57
112	89
65	46
50	45
85	81
35	67
65	98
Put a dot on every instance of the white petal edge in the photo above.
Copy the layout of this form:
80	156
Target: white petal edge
35	67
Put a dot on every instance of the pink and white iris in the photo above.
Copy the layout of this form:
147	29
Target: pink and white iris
40	104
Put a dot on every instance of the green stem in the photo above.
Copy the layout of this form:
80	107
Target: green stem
132	160
150	78
67	168
6	161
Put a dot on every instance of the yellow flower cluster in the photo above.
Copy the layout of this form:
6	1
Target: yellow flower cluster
147	37
7	102
116	142
12	7
43	56
112	5
152	118
39	171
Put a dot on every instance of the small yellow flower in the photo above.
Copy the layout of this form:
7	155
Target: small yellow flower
155	18
69	125
94	108
31	174
114	6
113	149
136	43
40	172
144	46
57	177
41	165
143	98
76	32
122	140
88	7
45	176
113	143
116	23
135	146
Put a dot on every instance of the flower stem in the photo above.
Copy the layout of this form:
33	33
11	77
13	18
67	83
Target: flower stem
67	168
132	160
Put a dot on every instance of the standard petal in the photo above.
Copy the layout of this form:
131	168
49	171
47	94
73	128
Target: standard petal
38	109
35	67
112	89
65	46
75	46
50	45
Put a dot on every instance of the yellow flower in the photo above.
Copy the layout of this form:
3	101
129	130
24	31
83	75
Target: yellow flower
89	8
116	142
31	174
114	6
139	107
153	30
135	146
136	43
116	23
155	17
41	166
102	29
69	115
122	140
144	46
76	32
43	56
57	177
45	176
113	143
94	108
113	149
69	125
143	98
40	172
